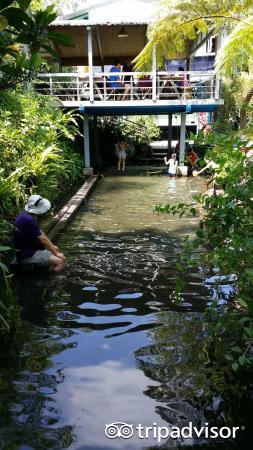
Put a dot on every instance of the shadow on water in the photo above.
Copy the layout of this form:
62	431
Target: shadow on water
105	342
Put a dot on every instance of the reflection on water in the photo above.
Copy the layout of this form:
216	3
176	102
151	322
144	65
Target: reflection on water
104	342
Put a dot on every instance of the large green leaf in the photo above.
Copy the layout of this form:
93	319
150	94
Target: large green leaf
44	18
24	4
51	51
4	268
3	248
36	60
24	38
18	18
7	69
3	23
60	38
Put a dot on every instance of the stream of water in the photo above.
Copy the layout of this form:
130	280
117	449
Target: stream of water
104	342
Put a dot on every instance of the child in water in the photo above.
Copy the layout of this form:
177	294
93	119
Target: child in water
122	155
172	163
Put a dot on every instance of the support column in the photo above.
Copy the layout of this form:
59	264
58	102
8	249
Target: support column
182	139
217	75
188	67
90	62
100	48
170	117
86	142
97	161
154	74
188	64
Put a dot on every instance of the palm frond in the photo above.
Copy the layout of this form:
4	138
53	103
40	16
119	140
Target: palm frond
238	48
179	22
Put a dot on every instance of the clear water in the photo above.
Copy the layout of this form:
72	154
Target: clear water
104	342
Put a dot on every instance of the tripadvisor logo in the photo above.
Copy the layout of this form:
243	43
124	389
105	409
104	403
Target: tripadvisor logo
126	431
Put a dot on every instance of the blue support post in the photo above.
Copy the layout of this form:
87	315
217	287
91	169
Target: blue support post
182	139
86	142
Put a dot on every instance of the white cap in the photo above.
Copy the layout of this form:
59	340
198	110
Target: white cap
37	205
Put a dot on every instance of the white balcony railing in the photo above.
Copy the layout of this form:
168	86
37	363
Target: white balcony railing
130	86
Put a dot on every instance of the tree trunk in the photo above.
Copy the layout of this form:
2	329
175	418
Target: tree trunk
243	110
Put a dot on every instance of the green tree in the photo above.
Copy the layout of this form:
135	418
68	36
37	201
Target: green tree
36	155
179	23
225	240
23	32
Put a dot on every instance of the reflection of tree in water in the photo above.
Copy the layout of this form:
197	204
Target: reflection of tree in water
189	389
28	415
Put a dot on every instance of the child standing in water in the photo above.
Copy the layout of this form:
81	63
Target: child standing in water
172	163
122	155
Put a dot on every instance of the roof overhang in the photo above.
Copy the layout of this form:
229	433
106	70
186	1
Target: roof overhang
105	36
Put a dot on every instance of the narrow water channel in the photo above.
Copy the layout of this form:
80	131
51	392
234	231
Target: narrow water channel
105	342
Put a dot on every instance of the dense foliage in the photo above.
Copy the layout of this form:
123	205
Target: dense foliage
36	156
225	240
139	131
178	24
23	32
35	148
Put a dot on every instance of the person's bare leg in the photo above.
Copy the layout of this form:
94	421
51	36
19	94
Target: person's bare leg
126	91
123	164
55	264
119	163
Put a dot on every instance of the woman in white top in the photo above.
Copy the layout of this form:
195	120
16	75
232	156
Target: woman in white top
172	163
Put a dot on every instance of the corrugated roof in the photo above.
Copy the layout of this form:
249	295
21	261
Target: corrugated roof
83	22
96	7
112	12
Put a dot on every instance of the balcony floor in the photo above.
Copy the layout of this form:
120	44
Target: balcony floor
143	107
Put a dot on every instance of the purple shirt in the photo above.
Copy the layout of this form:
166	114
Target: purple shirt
25	236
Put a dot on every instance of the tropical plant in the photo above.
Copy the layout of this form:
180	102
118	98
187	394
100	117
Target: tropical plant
8	307
36	155
35	150
139	131
23	32
178	24
225	240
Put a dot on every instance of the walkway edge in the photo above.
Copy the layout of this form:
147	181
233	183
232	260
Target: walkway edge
61	219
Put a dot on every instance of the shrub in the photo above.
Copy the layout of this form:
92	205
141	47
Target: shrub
37	155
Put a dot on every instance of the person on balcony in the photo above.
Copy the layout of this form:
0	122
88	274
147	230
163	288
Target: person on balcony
183	83
115	82
32	245
128	79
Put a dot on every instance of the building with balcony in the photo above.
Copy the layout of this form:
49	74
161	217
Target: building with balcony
106	31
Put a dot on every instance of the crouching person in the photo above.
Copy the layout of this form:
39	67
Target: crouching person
31	244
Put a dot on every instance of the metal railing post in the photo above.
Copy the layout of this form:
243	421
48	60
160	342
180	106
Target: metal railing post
104	79
158	87
90	60
51	85
217	86
131	88
78	88
182	139
154	74
212	88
